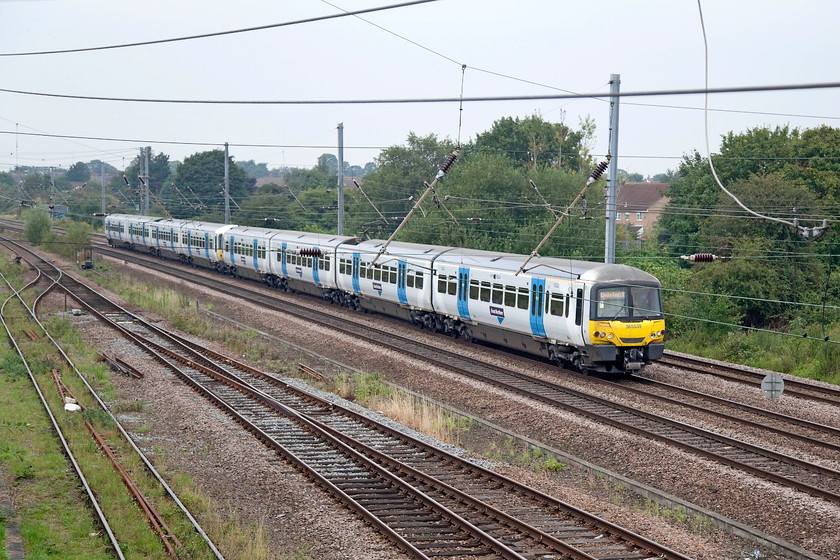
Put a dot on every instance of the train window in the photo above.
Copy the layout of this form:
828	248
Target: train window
473	289
393	275
484	295
409	280
453	286
418	281
442	281
510	296
342	266
498	294
556	307
522	298
579	306
309	262
377	272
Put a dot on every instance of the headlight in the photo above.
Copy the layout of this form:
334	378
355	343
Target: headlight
610	336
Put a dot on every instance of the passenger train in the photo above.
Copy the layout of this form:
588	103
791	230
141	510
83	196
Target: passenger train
587	315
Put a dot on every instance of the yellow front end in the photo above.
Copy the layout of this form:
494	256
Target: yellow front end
624	334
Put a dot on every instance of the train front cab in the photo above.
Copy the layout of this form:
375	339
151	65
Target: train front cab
625	328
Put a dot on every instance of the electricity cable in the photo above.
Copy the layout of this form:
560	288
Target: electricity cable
425	100
221	33
708	149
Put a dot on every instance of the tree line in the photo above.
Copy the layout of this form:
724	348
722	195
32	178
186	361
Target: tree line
509	185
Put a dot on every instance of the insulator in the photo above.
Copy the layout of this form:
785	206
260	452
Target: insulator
600	170
449	162
125	179
700	257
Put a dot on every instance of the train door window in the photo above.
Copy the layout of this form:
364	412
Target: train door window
556	307
473	289
547	300
579	306
453	285
510	296
484	294
568	304
522	298
498	294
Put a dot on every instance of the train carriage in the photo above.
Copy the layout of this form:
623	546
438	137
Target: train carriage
305	262
398	284
198	242
557	308
244	252
127	231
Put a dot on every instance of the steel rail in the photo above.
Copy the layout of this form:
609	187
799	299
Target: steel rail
171	493
793	387
56	428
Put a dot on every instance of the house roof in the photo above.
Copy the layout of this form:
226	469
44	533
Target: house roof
637	197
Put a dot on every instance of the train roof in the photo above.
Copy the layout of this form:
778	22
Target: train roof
303	237
398	249
547	267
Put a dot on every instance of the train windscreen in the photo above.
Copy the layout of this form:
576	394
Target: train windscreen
615	302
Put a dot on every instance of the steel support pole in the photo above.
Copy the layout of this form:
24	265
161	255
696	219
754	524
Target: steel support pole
227	187
612	172
340	179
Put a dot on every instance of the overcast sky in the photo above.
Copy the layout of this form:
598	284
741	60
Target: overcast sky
410	52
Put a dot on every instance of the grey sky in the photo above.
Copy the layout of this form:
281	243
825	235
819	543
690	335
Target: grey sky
652	44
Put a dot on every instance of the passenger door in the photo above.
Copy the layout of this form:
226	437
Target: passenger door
537	305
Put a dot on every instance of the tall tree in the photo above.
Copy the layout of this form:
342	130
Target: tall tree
79	172
201	176
534	141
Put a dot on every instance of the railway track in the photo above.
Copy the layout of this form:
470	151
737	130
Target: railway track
793	387
169	540
430	503
783	469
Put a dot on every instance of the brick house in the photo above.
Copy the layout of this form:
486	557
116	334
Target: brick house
638	206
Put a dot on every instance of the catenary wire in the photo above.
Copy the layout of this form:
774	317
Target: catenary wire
220	33
424	100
